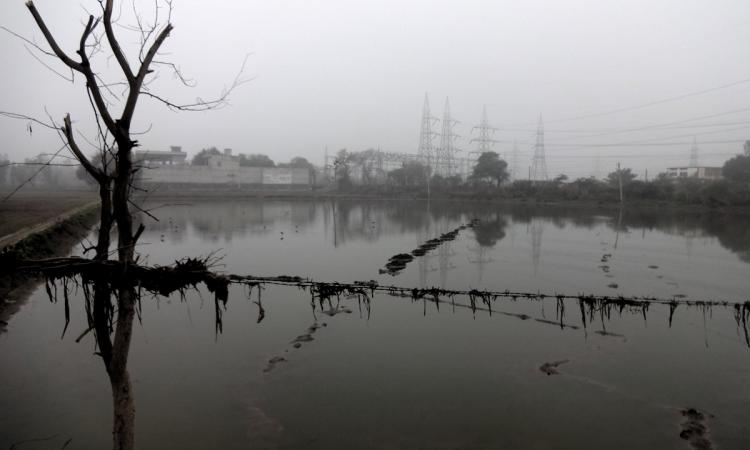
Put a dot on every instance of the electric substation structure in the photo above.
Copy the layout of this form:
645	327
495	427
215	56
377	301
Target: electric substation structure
387	161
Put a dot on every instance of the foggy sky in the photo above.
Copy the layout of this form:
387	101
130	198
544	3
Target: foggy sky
353	74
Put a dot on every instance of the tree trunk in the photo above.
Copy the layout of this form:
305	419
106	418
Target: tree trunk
105	220
123	427
120	196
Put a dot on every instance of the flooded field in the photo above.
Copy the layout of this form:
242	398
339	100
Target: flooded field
396	373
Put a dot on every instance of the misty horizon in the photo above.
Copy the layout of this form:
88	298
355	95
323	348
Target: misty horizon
336	75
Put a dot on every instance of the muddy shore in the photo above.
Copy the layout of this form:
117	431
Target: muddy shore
49	238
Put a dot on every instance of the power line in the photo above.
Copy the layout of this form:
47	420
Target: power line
654	144
661	125
607	130
653	103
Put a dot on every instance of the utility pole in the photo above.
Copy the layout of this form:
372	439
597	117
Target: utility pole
619	181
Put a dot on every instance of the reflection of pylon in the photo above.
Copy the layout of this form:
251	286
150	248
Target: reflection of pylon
539	163
445	253
536	243
481	260
694	154
424	260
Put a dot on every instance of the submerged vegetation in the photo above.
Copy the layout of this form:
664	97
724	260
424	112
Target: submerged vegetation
188	273
398	262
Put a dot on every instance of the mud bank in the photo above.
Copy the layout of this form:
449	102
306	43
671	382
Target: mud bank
54	238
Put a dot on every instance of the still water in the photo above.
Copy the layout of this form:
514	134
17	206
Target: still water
405	375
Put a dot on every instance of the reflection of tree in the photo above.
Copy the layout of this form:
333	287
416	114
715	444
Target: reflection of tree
733	234
536	228
487	233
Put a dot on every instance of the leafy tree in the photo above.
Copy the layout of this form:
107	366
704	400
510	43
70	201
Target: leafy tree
560	179
298	162
256	160
626	174
341	169
412	173
737	169
201	158
489	165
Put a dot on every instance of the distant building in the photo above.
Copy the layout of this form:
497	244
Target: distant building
701	173
224	160
174	157
747	148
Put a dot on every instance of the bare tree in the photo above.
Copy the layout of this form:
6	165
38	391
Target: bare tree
113	167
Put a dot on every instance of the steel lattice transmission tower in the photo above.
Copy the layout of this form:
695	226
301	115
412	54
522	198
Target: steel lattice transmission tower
426	151
694	154
485	140
445	163
539	162
514	162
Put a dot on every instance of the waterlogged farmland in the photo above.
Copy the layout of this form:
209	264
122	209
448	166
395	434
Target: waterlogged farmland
392	371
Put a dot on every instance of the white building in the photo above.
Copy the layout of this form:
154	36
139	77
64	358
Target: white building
175	156
701	173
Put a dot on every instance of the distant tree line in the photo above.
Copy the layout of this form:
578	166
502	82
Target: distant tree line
252	160
489	180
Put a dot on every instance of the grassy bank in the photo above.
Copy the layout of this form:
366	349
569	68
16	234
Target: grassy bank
28	209
57	239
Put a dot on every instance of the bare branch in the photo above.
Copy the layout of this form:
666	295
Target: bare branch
28	41
18	188
51	40
12	115
177	73
205	105
95	172
38	164
135	89
39	60
114	44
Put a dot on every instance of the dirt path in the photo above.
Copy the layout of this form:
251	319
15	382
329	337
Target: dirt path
31	212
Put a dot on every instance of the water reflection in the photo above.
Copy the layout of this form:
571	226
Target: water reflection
369	221
351	354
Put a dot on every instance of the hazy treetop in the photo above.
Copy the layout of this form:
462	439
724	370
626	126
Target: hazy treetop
352	74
